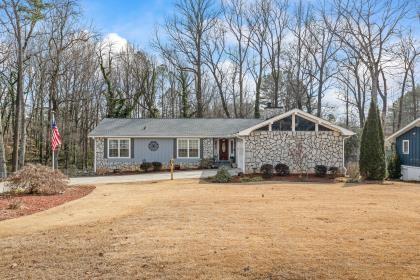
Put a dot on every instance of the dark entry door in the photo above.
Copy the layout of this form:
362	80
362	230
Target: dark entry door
223	149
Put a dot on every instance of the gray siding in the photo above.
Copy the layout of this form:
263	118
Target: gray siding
163	154
413	158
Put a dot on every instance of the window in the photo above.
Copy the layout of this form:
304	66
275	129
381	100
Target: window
283	124
188	148
323	128
118	148
406	147
303	124
264	128
232	147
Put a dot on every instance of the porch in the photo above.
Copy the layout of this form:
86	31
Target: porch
224	152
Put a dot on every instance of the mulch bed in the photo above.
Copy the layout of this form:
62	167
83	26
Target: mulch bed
289	178
30	204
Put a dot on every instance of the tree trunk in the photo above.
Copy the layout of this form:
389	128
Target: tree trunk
184	95
374	73
321	81
413	88
18	106
199	95
22	144
400	109
241	84
384	100
3	169
258	92
347	107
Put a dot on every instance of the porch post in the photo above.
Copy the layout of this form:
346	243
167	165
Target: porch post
243	156
293	122
94	155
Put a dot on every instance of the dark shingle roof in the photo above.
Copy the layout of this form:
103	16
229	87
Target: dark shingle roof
171	127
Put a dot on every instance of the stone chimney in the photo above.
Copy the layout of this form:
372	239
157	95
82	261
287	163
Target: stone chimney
270	111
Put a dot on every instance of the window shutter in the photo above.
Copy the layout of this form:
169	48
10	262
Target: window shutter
201	147
105	147
175	148
132	147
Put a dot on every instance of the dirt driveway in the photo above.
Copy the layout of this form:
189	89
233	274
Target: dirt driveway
189	230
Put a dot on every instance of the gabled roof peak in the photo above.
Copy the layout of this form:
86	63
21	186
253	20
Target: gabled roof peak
404	130
300	113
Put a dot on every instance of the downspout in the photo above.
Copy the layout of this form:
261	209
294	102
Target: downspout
94	154
344	163
244	157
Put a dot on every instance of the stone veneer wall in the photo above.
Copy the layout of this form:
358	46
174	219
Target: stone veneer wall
207	148
104	163
133	164
322	147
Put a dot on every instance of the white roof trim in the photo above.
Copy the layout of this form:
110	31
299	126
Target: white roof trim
403	130
302	114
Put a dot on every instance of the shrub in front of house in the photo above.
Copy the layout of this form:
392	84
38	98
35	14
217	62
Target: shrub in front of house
282	169
372	151
334	171
157	166
145	166
320	170
206	163
394	166
37	179
267	170
222	176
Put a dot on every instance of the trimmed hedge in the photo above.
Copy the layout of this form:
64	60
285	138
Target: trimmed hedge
334	170
321	170
282	169
157	166
145	166
267	170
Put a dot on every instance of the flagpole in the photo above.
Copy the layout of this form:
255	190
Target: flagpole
55	141
53	159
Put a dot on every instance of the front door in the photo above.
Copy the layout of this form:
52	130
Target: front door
223	149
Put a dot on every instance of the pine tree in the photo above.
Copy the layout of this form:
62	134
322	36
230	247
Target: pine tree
372	151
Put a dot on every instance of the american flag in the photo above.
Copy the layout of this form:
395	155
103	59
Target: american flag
56	138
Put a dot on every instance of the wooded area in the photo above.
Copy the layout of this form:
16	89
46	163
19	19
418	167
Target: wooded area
210	59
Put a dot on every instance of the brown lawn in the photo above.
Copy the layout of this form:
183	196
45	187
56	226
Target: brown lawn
190	230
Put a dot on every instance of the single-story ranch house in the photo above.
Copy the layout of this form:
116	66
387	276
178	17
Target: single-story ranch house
407	144
295	138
